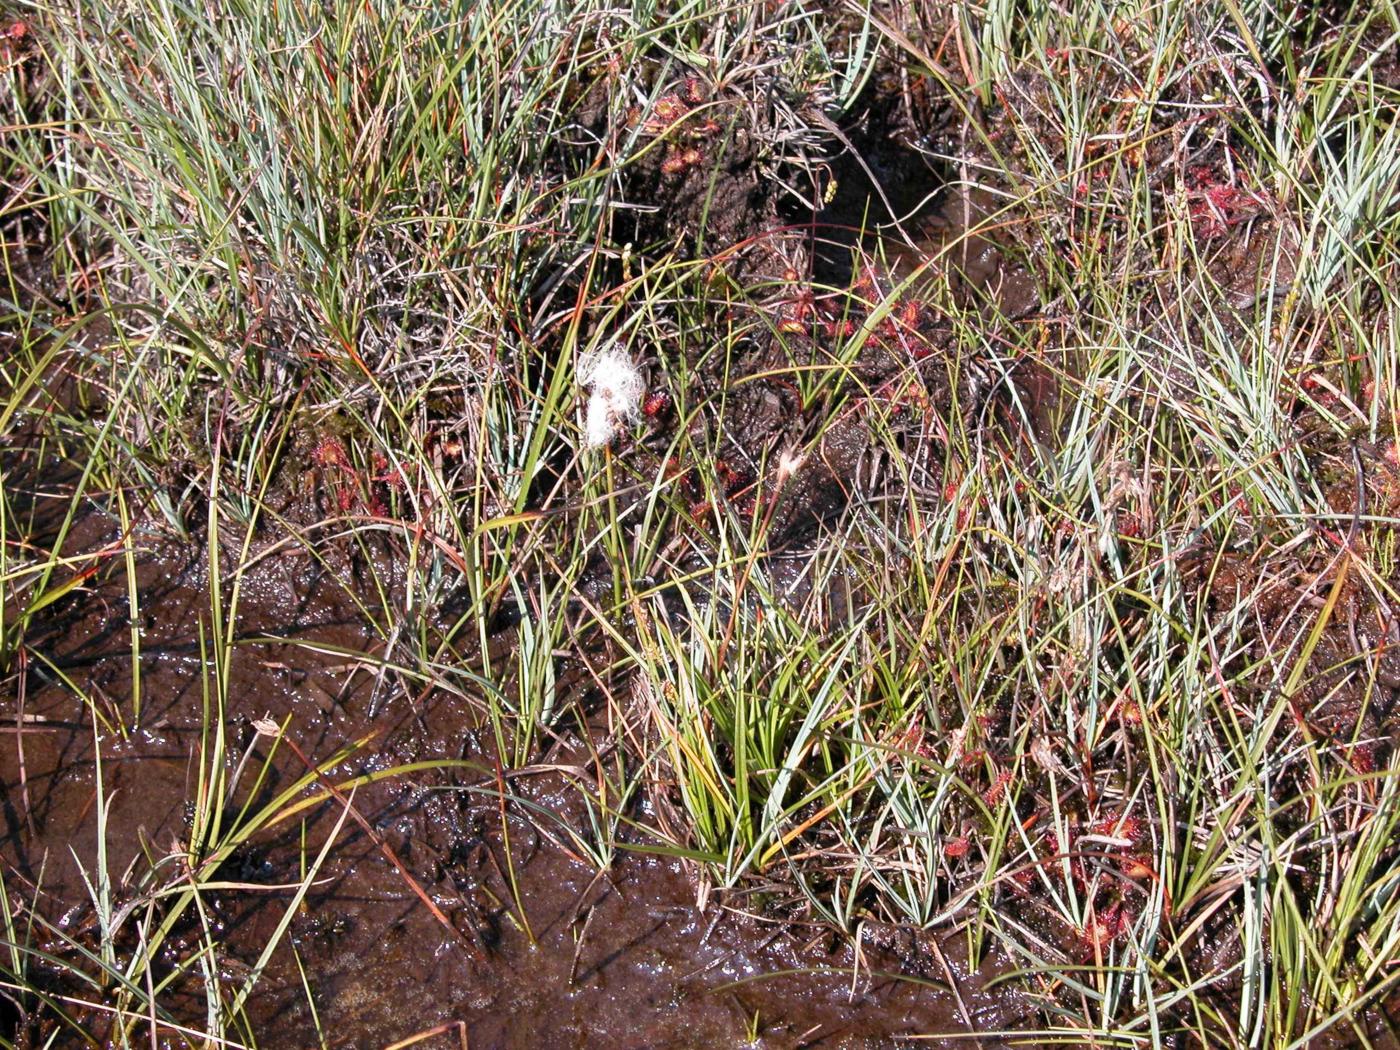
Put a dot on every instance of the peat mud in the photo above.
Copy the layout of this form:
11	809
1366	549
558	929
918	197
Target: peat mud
455	899
359	815
842	284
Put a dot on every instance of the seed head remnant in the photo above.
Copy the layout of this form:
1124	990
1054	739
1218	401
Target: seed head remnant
615	390
789	463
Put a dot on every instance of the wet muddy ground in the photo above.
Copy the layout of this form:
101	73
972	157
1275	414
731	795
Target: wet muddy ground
544	947
462	905
467	908
458	905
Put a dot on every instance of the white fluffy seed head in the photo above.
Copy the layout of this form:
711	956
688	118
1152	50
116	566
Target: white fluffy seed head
789	463
599	425
615	391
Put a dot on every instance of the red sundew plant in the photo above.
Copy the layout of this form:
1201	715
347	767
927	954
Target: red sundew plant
1107	925
675	470
902	326
387	474
902	394
966	512
1119	827
867	285
681	160
668	110
349	487
1021	881
994	794
915	739
330	452
731	478
1216	206
672	111
656	405
1137	867
796	311
15	41
1362	756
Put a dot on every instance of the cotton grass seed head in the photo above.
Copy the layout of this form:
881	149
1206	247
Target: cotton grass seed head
615	391
789	463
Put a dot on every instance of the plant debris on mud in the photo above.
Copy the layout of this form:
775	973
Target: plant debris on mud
786	525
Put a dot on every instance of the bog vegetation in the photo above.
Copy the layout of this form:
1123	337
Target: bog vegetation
993	526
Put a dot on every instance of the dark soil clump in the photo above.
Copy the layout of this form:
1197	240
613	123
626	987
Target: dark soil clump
540	947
